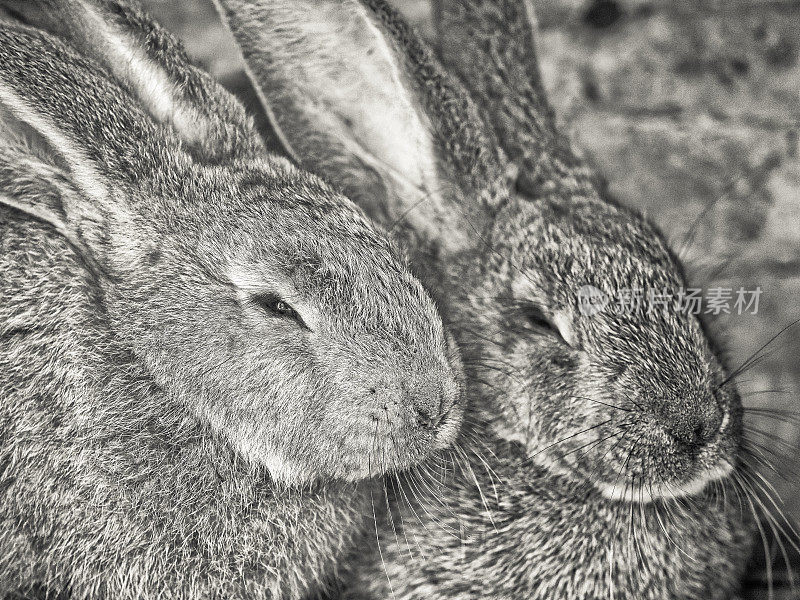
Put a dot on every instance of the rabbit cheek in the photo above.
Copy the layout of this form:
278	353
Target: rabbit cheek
253	388
538	409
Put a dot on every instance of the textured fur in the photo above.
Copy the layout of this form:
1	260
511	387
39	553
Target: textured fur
616	419
152	410
110	488
322	105
540	536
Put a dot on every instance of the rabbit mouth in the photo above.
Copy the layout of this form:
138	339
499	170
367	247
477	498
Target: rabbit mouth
668	469
396	449
656	467
422	442
625	489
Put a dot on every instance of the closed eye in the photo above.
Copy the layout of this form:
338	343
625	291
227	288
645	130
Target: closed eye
277	306
536	317
539	321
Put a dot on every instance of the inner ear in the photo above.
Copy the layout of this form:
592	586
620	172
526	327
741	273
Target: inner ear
350	76
343	99
368	94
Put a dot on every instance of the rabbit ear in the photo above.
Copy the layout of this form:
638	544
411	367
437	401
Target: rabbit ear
491	46
45	193
358	99
87	143
153	67
33	187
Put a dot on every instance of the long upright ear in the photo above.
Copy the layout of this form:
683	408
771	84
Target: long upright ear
491	47
152	65
360	100
88	146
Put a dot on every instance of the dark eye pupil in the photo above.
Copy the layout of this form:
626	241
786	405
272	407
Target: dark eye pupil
272	303
536	317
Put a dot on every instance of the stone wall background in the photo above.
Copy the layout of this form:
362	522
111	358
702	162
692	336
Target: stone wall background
690	109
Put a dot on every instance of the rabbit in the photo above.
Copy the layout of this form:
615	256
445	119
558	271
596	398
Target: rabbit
616	433
206	354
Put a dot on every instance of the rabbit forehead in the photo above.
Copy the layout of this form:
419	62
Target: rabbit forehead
558	247
254	281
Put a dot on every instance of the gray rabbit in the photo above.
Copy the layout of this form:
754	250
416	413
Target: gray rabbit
614	430
203	349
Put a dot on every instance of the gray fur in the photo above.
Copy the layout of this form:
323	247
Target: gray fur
316	106
534	535
640	401
161	434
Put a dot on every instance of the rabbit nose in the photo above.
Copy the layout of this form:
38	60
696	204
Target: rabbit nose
428	420
427	397
694	426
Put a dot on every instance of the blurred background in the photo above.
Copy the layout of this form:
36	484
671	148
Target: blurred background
690	109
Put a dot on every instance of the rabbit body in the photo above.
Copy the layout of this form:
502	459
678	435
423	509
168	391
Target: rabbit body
501	526
111	490
204	351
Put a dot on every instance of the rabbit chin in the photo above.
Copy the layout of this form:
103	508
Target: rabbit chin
658	491
622	491
290	472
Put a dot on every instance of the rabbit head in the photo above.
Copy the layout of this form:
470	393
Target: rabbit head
613	381
252	293
508	226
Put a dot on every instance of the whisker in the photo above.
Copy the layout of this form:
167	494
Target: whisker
571	436
753	356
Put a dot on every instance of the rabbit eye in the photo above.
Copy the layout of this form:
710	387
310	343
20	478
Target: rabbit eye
538	320
274	304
